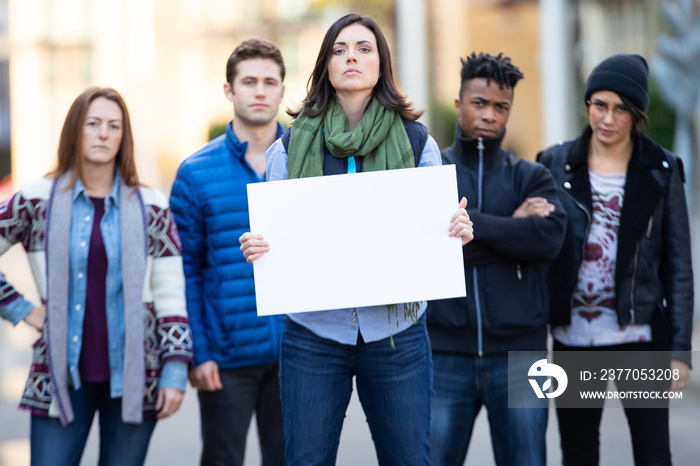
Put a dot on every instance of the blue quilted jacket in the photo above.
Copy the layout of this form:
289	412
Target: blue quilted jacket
210	203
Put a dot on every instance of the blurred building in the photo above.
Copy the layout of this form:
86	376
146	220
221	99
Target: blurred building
547	39
167	58
5	158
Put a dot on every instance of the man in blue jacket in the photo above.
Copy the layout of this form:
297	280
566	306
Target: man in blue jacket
518	227
236	352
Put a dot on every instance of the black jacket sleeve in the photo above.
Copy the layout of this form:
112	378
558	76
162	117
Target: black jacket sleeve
676	266
533	238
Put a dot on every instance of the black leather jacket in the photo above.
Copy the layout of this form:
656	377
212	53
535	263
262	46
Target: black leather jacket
506	263
653	274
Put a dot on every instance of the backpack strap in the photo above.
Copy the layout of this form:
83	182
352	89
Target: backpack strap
285	138
418	135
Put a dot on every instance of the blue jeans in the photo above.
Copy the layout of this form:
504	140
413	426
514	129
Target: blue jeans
393	385
225	417
121	444
465	383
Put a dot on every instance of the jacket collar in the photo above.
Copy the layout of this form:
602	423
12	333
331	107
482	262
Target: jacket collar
466	149
643	190
238	148
578	152
112	198
645	153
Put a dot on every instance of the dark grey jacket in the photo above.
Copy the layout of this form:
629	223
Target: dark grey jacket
506	263
653	273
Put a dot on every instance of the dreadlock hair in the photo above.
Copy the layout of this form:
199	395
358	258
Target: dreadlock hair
484	65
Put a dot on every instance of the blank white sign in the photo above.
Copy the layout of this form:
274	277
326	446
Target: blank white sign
356	240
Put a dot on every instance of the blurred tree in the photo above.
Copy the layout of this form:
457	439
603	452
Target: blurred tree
443	122
662	119
216	129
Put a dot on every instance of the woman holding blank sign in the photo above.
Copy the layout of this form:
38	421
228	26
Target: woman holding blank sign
354	119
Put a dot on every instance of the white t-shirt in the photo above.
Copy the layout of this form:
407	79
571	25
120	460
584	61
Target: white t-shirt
593	307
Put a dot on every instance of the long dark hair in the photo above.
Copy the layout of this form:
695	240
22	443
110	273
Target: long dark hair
639	118
321	92
70	145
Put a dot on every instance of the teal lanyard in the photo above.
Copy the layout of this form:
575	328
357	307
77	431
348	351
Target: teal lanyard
352	168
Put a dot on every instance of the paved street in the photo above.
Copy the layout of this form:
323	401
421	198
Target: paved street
176	440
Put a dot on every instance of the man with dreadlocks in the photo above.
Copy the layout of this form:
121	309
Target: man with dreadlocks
520	226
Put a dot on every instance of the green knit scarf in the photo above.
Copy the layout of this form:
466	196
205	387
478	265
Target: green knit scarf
380	139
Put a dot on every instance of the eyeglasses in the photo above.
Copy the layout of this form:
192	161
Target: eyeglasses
601	108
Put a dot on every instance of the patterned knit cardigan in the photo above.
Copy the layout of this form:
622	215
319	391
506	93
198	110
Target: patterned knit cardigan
161	331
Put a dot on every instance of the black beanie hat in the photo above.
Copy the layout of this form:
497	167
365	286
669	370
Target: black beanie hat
625	74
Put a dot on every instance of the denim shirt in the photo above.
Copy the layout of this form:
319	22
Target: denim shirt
17	310
344	325
174	372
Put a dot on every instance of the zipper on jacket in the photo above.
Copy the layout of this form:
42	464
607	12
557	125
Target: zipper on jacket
479	201
588	216
519	272
634	269
634	279
588	225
